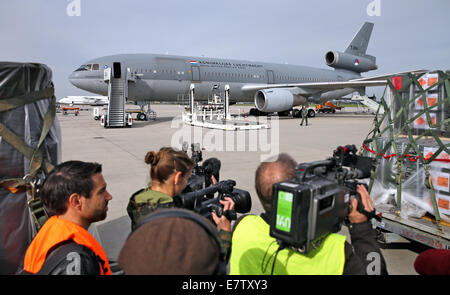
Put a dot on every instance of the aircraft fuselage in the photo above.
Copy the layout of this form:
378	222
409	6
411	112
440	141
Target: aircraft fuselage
168	77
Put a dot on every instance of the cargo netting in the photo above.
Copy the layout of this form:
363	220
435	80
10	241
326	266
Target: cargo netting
411	141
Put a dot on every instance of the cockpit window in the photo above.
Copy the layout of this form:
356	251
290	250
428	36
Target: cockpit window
88	67
82	68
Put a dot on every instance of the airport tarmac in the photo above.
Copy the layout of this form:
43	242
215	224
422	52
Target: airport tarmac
121	151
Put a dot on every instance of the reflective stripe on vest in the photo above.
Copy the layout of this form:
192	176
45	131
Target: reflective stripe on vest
253	250
57	230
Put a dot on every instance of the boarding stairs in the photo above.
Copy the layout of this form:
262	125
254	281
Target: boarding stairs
117	95
370	103
116	107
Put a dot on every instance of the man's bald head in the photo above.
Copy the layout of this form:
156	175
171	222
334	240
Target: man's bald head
271	172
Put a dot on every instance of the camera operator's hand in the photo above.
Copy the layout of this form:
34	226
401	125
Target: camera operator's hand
222	222
355	216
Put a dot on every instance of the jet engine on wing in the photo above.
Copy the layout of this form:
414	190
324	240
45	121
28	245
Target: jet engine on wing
274	100
354	63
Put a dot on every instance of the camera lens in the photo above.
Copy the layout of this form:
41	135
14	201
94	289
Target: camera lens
242	200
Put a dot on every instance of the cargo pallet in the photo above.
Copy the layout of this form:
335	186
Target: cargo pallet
413	121
415	229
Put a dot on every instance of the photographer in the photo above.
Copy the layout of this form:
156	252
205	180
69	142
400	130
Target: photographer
254	250
170	171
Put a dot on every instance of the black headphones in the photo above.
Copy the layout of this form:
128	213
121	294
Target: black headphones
221	267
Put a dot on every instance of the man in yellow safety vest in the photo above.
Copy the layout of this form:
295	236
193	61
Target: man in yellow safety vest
253	249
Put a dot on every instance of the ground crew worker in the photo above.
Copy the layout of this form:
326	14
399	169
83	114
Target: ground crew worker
75	193
170	171
304	115
253	247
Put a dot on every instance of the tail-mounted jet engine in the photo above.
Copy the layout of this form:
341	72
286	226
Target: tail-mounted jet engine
354	63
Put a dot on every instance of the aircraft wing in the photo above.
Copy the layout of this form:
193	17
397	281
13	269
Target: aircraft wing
383	77
327	86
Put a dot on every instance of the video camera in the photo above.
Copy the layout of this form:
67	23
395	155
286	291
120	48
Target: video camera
201	175
200	189
305	210
199	201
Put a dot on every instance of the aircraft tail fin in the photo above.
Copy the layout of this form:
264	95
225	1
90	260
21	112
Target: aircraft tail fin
360	42
354	58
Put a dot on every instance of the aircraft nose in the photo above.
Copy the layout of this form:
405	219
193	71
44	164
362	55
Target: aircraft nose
74	79
71	77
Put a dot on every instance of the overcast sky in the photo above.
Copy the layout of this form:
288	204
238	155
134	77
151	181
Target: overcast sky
408	34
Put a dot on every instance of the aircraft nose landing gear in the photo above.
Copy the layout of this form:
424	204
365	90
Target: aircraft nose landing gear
141	117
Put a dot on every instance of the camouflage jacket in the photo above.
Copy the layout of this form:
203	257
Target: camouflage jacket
145	201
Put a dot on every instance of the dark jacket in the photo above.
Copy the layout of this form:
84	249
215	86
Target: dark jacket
361	255
69	258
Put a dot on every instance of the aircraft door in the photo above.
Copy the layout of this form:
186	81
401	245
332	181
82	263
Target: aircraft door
117	72
270	77
195	73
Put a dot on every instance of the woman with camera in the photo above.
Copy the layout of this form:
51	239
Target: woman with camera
169	171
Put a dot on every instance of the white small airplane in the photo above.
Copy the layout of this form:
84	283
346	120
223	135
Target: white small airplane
84	100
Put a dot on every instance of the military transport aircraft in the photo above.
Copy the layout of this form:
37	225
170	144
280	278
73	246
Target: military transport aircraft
272	87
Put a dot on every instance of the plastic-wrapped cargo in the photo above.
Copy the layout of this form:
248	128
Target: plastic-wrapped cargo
419	104
26	107
411	141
